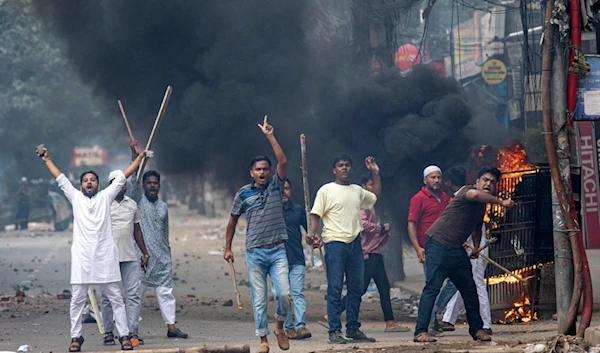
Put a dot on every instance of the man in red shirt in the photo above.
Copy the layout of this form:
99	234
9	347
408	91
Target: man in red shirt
425	208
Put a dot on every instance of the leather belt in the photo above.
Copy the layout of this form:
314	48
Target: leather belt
272	245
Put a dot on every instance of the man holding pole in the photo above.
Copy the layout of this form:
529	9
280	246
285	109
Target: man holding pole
261	202
126	233
295	217
154	222
446	257
94	255
338	204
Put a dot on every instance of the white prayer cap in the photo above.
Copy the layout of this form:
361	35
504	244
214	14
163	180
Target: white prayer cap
113	175
24	179
431	169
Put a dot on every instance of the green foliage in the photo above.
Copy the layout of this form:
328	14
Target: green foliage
42	100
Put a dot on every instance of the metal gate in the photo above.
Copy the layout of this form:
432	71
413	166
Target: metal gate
524	246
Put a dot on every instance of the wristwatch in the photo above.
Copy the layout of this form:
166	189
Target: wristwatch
146	256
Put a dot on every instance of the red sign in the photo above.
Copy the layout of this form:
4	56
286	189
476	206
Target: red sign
589	147
406	57
85	156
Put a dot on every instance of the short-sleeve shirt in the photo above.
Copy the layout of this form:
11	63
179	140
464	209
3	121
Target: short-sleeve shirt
339	207
295	216
458	221
424	210
262	208
123	216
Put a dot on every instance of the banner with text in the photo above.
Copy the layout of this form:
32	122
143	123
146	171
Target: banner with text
588	146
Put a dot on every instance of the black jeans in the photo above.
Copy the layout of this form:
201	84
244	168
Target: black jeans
375	269
442	263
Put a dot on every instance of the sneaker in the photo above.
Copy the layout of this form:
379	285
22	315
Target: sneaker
359	336
337	338
446	326
303	333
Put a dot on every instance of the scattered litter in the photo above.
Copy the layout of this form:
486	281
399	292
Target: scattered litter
228	303
66	294
24	348
215	252
535	348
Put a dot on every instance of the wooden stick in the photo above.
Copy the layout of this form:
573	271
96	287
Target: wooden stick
307	194
94	303
235	285
498	265
161	112
125	118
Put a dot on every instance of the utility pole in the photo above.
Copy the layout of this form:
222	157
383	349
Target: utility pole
563	257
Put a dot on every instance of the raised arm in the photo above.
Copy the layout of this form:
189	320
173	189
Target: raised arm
45	156
134	165
229	232
374	168
268	130
484	197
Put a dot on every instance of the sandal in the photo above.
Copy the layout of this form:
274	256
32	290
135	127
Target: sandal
76	344
396	327
109	339
424	337
136	341
125	343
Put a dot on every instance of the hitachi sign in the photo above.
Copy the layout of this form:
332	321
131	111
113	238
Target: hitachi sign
589	157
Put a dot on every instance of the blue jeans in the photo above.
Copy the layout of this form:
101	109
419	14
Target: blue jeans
348	259
444	262
260	263
442	299
297	286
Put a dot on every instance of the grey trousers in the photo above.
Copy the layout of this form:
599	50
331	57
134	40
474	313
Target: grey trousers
130	276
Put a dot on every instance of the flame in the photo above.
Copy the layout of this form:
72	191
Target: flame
513	162
521	311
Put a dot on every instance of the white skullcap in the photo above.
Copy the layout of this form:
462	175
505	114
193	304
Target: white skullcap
113	175
24	179
431	169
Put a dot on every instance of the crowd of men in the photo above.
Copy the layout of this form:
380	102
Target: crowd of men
125	239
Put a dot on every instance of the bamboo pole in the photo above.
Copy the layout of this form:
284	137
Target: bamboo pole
307	194
161	113
125	118
94	303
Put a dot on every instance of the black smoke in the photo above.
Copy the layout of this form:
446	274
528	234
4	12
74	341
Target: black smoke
231	62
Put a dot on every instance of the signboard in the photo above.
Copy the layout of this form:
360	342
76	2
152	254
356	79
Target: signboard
587	104
494	72
588	144
406	57
86	156
466	39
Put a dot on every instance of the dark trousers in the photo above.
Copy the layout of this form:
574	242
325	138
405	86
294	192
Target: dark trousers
344	259
375	269
444	262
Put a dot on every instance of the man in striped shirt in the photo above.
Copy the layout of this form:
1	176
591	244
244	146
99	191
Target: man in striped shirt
261	202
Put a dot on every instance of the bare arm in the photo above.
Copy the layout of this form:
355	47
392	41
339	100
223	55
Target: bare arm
51	167
374	168
139	238
412	234
314	225
229	232
484	197
134	165
268	130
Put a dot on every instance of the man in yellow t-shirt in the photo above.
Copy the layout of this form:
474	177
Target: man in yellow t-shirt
339	203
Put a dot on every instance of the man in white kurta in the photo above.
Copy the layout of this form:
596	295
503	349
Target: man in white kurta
454	305
94	255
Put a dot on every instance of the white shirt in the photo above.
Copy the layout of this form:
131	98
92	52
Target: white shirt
123	216
94	255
